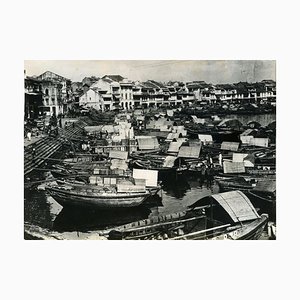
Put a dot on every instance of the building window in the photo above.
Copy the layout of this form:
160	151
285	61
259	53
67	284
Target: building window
47	92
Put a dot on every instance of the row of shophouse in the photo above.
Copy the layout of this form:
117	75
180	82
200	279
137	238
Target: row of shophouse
50	93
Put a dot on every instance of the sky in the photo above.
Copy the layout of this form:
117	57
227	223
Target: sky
210	71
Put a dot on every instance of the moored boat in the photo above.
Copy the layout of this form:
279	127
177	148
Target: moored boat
76	195
165	165
236	183
106	191
227	215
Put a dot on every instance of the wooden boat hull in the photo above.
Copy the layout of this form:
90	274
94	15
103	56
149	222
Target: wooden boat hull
248	231
226	185
139	165
97	199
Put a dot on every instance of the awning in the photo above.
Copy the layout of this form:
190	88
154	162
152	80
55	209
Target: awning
237	205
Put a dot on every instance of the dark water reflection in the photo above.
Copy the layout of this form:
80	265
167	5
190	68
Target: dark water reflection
70	219
42	210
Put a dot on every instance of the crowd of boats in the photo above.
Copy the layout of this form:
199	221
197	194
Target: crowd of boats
122	163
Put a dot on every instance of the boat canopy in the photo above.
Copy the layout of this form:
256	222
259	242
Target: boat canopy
231	146
169	161
237	205
233	167
206	138
149	175
259	142
247	159
268	185
118	154
172	135
148	143
246	139
118	164
174	146
189	151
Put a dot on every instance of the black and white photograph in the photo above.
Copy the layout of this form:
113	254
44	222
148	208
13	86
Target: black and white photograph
149	149
161	150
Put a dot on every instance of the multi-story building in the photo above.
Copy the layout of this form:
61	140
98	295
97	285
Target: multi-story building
57	93
109	92
115	91
240	92
33	98
90	99
122	91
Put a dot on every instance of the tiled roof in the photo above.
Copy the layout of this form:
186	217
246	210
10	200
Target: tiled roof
117	78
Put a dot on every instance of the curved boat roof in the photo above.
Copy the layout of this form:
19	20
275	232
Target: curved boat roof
237	205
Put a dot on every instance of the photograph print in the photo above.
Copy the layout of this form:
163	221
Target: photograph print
150	150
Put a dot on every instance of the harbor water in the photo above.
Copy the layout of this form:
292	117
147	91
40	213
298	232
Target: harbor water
42	210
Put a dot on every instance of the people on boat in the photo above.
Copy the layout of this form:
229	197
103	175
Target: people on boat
84	146
202	173
209	175
29	135
88	146
33	153
220	159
